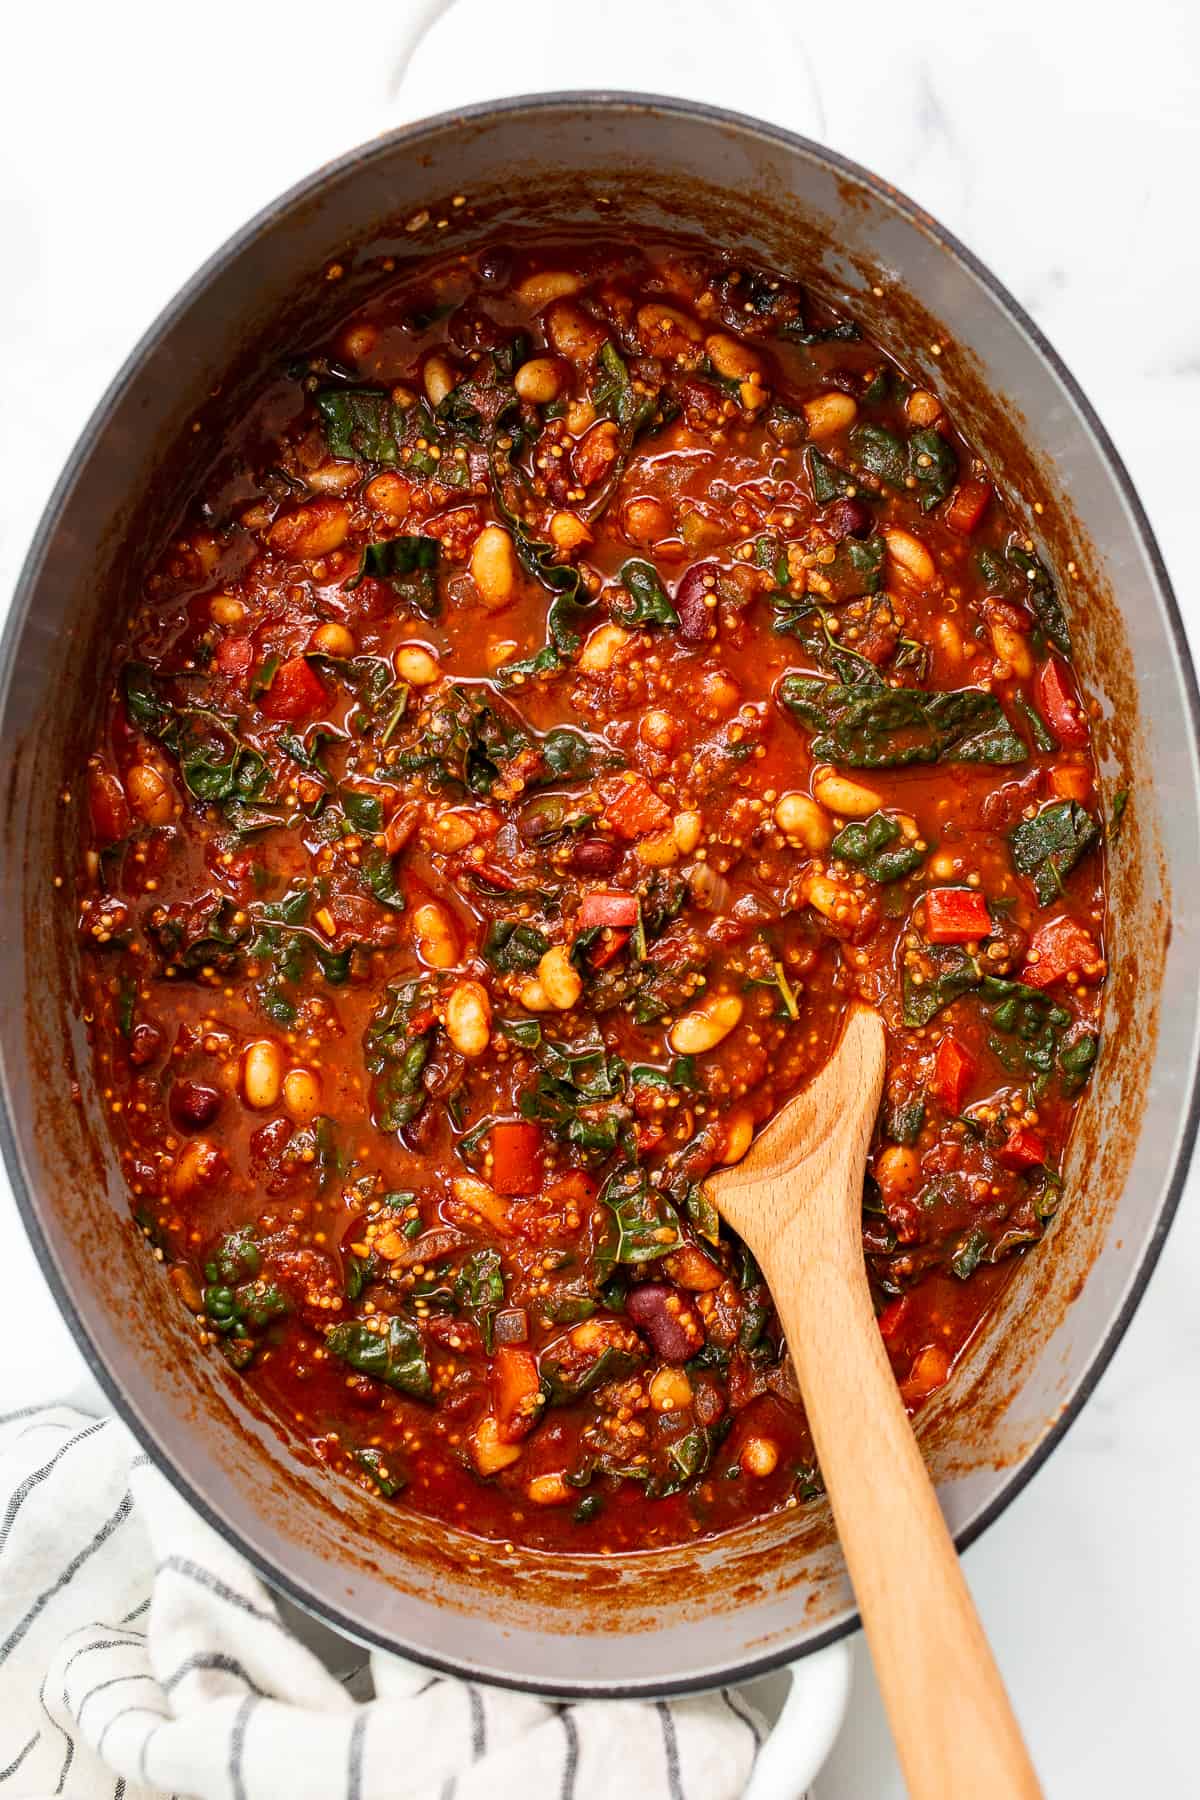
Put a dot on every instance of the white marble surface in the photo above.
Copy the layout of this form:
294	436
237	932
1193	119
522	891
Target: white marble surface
1061	143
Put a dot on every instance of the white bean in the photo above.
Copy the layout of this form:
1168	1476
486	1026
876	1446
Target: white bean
434	937
441	378
799	817
302	1094
539	380
415	665
707	1025
262	1073
827	414
601	648
469	1018
560	980
838	794
494	567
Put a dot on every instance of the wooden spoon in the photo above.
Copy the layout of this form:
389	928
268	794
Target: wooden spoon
796	1200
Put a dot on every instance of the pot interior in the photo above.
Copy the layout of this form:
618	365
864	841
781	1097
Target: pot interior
625	166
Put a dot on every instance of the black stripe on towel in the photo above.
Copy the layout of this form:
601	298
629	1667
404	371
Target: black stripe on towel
180	1565
100	1686
211	1659
72	1569
571	1766
22	1493
354	1769
478	1723
670	1748
237	1746
155	1712
19	1758
736	1704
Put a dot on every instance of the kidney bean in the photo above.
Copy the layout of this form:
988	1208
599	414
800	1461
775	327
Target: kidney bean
595	856
848	518
193	1105
667	1318
495	267
696	586
144	1044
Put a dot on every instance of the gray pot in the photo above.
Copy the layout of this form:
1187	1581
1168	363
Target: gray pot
635	166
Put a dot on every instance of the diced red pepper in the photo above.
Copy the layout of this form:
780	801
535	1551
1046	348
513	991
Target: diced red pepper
1061	710
516	1147
955	915
108	807
632	808
1059	947
234	655
296	692
968	503
516	1393
607	909
1072	781
892	1316
1024	1148
607	948
954	1069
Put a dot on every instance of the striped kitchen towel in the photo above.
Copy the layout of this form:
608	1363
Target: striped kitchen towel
139	1656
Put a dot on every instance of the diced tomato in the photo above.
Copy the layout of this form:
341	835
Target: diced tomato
1024	1148
968	503
892	1316
954	1070
1061	709
632	808
234	655
607	909
516	1149
650	1134
1059	947
1072	781
955	915
295	693
516	1393
108	807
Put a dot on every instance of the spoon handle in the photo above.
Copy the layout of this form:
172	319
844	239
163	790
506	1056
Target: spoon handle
953	1724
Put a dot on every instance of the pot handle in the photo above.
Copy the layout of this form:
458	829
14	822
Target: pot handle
804	1732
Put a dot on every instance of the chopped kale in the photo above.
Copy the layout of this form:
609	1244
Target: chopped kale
393	1355
868	845
889	728
648	602
396	1047
644	1226
409	567
1047	847
954	974
479	1290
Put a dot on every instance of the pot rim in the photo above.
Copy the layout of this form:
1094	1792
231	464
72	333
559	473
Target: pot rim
611	100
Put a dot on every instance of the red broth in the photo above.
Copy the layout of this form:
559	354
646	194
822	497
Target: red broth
572	686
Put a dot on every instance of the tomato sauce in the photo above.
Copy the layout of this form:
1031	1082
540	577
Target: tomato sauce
572	686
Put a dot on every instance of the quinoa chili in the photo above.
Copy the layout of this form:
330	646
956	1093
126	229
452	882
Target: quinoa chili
573	684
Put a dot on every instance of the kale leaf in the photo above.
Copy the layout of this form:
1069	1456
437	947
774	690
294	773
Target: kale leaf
409	567
889	728
867	843
648	601
1047	847
394	1355
644	1225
